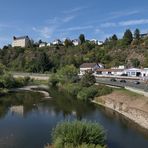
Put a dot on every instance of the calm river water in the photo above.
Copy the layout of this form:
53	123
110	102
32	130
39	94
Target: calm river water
27	122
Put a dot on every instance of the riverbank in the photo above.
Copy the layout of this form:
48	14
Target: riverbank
34	88
129	104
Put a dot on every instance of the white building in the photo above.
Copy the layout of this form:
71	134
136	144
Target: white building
43	44
144	72
57	42
23	41
89	67
100	43
133	72
48	44
115	72
96	42
76	42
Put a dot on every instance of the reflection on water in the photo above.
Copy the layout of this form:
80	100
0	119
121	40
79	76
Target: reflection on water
27	122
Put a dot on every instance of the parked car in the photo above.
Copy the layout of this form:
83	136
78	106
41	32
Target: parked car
137	82
113	80
123	81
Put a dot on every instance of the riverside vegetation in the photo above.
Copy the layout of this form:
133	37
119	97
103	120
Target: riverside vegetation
7	81
66	79
78	134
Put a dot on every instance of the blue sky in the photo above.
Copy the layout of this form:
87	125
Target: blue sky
51	19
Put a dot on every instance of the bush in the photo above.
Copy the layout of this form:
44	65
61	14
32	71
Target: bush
53	80
78	134
87	93
8	81
72	88
68	73
88	80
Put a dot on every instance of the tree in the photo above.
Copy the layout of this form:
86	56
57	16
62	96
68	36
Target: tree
114	37
40	41
43	63
88	80
68	43
135	62
69	73
2	69
137	34
128	37
82	38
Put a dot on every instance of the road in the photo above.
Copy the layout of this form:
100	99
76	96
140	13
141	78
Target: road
129	83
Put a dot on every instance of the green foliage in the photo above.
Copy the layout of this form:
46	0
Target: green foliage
114	37
52	58
87	93
53	80
2	69
137	34
135	62
69	73
43	64
78	133
88	80
72	88
128	37
68	43
82	38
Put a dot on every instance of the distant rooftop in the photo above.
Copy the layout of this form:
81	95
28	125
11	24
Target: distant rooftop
87	65
19	38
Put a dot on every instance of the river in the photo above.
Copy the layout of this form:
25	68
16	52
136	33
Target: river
26	121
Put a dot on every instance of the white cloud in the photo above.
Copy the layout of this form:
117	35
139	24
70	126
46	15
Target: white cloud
74	10
68	19
97	30
52	26
133	22
108	24
46	32
119	14
77	28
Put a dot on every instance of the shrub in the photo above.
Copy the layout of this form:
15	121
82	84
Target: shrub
87	93
88	80
53	80
68	73
72	88
9	81
78	134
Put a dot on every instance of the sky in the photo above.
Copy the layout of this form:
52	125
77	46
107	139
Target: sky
52	19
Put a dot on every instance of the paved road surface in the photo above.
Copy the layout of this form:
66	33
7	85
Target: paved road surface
129	83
